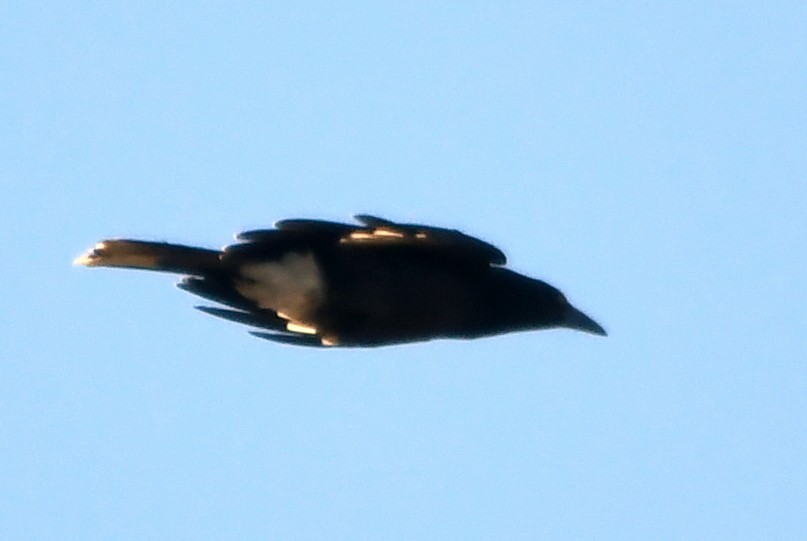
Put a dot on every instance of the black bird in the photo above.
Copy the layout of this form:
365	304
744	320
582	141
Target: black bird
320	283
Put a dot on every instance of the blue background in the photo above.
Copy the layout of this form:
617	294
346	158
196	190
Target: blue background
647	158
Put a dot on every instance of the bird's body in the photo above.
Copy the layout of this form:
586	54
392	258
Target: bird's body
314	283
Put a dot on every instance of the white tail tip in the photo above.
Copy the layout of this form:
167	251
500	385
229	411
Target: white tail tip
91	257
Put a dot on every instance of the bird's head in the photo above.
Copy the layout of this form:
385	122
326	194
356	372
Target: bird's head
538	305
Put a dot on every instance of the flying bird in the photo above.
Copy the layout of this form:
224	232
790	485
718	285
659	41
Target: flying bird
322	283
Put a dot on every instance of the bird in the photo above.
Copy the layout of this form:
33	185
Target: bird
321	283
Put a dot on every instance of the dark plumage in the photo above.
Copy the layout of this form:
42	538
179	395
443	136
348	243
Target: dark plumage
315	283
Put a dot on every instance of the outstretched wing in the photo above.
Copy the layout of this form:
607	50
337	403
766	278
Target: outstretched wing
373	232
382	231
246	312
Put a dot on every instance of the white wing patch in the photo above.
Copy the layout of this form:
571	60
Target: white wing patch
383	232
297	327
329	341
379	233
292	287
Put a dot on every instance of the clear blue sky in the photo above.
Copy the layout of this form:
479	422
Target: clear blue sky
649	160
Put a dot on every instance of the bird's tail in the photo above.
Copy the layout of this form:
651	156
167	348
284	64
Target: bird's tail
157	256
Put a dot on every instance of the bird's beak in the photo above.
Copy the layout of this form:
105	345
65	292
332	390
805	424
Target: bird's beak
575	319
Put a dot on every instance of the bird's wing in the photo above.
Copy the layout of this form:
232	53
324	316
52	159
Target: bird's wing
322	228
280	330
379	231
246	311
291	339
373	232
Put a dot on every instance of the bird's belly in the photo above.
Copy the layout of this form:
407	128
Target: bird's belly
402	305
